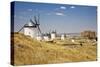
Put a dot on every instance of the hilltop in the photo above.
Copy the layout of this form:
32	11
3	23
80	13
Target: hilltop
30	51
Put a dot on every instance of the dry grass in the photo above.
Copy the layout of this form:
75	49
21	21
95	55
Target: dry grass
31	51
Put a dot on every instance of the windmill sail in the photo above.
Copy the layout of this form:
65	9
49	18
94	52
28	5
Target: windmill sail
35	19
38	18
39	29
32	21
39	23
21	28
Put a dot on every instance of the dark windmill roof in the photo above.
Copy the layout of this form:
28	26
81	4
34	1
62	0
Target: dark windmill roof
53	32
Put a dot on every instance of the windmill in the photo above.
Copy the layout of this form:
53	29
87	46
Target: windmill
32	28
53	35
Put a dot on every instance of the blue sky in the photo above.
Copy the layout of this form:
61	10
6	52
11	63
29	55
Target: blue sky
60	17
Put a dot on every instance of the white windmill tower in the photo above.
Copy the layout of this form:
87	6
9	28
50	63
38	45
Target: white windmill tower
63	36
53	35
32	29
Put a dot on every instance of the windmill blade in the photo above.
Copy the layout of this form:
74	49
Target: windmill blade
38	18
32	21
21	28
35	19
39	29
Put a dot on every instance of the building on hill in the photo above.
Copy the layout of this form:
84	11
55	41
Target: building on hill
53	35
30	30
46	37
63	36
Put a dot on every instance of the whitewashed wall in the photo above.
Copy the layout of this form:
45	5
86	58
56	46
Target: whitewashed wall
53	36
32	32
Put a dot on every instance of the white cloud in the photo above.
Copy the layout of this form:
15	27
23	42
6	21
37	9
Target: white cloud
72	7
29	9
63	7
60	14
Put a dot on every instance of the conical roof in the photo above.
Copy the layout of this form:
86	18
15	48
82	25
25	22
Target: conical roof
30	24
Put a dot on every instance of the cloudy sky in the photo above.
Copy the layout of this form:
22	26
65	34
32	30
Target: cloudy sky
60	17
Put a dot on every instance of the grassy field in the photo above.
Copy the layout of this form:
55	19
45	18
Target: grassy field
30	51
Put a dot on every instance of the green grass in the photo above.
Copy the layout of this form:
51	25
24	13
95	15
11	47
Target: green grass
30	51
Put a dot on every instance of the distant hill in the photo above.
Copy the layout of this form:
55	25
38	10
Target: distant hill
30	51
